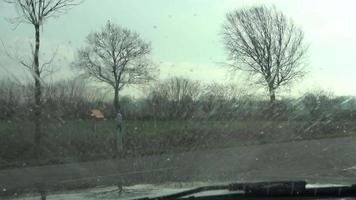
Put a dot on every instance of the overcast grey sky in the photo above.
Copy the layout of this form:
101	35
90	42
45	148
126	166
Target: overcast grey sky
185	36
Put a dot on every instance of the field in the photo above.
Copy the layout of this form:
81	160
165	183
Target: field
82	140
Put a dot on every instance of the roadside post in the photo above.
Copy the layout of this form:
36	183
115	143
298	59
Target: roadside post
119	134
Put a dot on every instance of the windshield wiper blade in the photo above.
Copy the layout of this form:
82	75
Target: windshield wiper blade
292	189
281	188
262	189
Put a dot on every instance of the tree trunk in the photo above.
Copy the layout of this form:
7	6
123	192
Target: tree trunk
118	132
272	95
118	146
116	101
38	94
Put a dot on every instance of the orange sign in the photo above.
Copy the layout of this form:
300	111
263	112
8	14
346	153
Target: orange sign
96	114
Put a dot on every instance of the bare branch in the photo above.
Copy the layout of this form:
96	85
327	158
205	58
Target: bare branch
15	57
37	11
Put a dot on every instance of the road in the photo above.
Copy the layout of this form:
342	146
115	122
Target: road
315	160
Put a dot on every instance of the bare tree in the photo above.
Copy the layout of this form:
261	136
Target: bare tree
222	100
265	43
35	13
175	97
115	56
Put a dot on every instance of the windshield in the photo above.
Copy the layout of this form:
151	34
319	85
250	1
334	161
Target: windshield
121	99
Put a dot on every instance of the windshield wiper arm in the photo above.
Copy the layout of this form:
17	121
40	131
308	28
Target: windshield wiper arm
282	188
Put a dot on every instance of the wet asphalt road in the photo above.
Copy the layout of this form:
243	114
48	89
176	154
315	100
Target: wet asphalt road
313	160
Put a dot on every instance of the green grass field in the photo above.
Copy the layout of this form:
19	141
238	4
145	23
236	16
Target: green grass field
66	141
